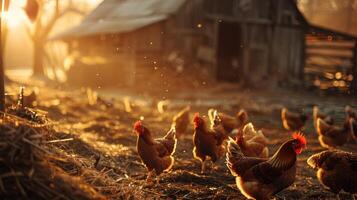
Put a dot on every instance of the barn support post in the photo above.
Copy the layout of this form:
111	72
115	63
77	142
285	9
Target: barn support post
246	47
303	58
215	47
2	77
354	69
271	50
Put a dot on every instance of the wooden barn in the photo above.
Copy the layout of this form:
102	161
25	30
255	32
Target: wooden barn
236	40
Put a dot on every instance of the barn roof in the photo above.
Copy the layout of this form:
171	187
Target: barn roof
120	16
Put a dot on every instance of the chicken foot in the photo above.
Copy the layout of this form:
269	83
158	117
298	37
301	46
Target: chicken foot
149	178
203	166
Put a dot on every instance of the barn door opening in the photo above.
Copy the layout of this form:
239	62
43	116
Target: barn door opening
229	65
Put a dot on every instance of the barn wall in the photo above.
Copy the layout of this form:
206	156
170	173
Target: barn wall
270	43
287	53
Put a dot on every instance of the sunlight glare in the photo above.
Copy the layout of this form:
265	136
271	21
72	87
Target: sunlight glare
14	17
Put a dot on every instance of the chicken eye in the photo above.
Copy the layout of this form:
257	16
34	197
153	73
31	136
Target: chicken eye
295	143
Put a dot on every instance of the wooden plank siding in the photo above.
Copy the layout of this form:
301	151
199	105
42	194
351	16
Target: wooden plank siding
268	40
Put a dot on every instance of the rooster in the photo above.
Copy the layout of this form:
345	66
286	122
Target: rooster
252	143
293	121
331	136
261	178
317	114
207	142
336	170
156	154
229	122
181	121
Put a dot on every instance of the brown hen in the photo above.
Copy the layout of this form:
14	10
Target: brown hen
316	114
331	136
336	170
229	122
181	121
207	142
156	154
252	143
261	178
293	121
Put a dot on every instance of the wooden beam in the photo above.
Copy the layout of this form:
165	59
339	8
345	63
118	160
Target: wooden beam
323	43
238	20
329	53
321	64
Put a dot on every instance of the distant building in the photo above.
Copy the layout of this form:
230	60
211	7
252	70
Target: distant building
250	40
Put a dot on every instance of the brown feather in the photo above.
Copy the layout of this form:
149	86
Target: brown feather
336	170
259	178
332	135
293	121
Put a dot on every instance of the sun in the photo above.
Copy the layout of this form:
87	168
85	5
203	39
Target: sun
15	16
12	19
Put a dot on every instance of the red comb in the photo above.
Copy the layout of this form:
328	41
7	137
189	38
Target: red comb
196	119
299	136
138	126
196	116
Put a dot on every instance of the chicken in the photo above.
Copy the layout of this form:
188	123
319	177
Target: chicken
162	106
229	122
350	112
336	170
181	121
217	124
353	129
293	121
252	143
156	154
261	178
331	136
317	114
207	142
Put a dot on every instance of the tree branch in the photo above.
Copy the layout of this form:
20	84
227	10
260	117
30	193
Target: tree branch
58	14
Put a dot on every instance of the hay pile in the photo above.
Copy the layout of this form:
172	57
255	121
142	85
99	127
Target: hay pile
27	164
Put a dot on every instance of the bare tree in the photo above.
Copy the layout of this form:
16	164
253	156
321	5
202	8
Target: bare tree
43	22
4	5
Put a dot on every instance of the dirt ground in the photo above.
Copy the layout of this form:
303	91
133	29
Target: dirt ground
102	133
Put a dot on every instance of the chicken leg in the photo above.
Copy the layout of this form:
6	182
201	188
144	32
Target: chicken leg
203	167
158	179
149	178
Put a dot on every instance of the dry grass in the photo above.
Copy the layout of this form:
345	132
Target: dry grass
27	164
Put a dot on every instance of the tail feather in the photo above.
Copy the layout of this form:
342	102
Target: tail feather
265	153
171	140
242	116
322	126
211	115
166	163
249	128
315	111
233	155
171	134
